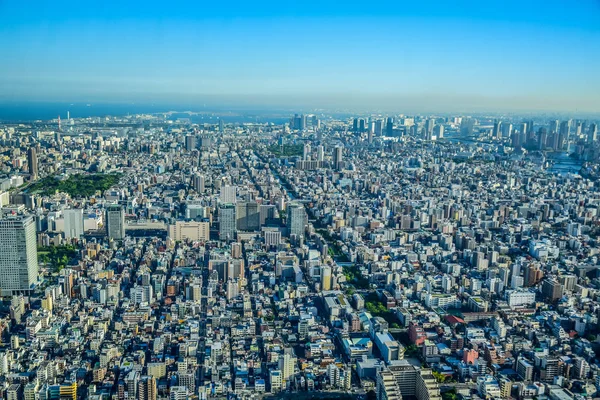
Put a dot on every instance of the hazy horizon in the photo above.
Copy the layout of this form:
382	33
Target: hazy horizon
393	56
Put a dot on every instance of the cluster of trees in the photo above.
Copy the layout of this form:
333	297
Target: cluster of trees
76	185
377	309
450	395
57	257
355	277
287	150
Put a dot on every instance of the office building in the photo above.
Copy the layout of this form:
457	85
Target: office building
18	255
227	222
389	127
296	220
73	223
198	183
192	230
401	379
32	163
338	162
497	131
592	133
115	222
228	194
190	142
247	216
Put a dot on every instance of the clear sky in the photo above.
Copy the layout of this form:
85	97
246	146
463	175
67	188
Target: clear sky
389	55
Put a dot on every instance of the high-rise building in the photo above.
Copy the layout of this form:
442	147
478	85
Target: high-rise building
287	365
401	379
18	255
361	125
389	127
198	183
552	289
466	126
188	380
228	194
497	132
506	130
565	130
338	158
32	163
542	138
378	127
73	223
428	129
247	216
533	274
306	152
190	142
227	221
115	222
592	133
325	278
146	389
296	219
320	153
221	125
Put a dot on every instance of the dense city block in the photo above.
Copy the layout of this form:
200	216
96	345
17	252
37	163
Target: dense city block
380	257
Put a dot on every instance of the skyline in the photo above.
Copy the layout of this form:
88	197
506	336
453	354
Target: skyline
538	56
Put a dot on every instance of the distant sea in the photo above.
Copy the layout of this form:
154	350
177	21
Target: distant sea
30	111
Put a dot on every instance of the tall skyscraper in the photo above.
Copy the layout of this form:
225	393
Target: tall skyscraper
306	152
428	129
565	130
115	222
18	255
73	223
389	127
542	138
497	132
362	125
296	219
506	130
378	127
338	157
227	222
320	153
592	133
221	125
466	126
32	163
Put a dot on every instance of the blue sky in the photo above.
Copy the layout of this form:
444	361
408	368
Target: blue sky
390	55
